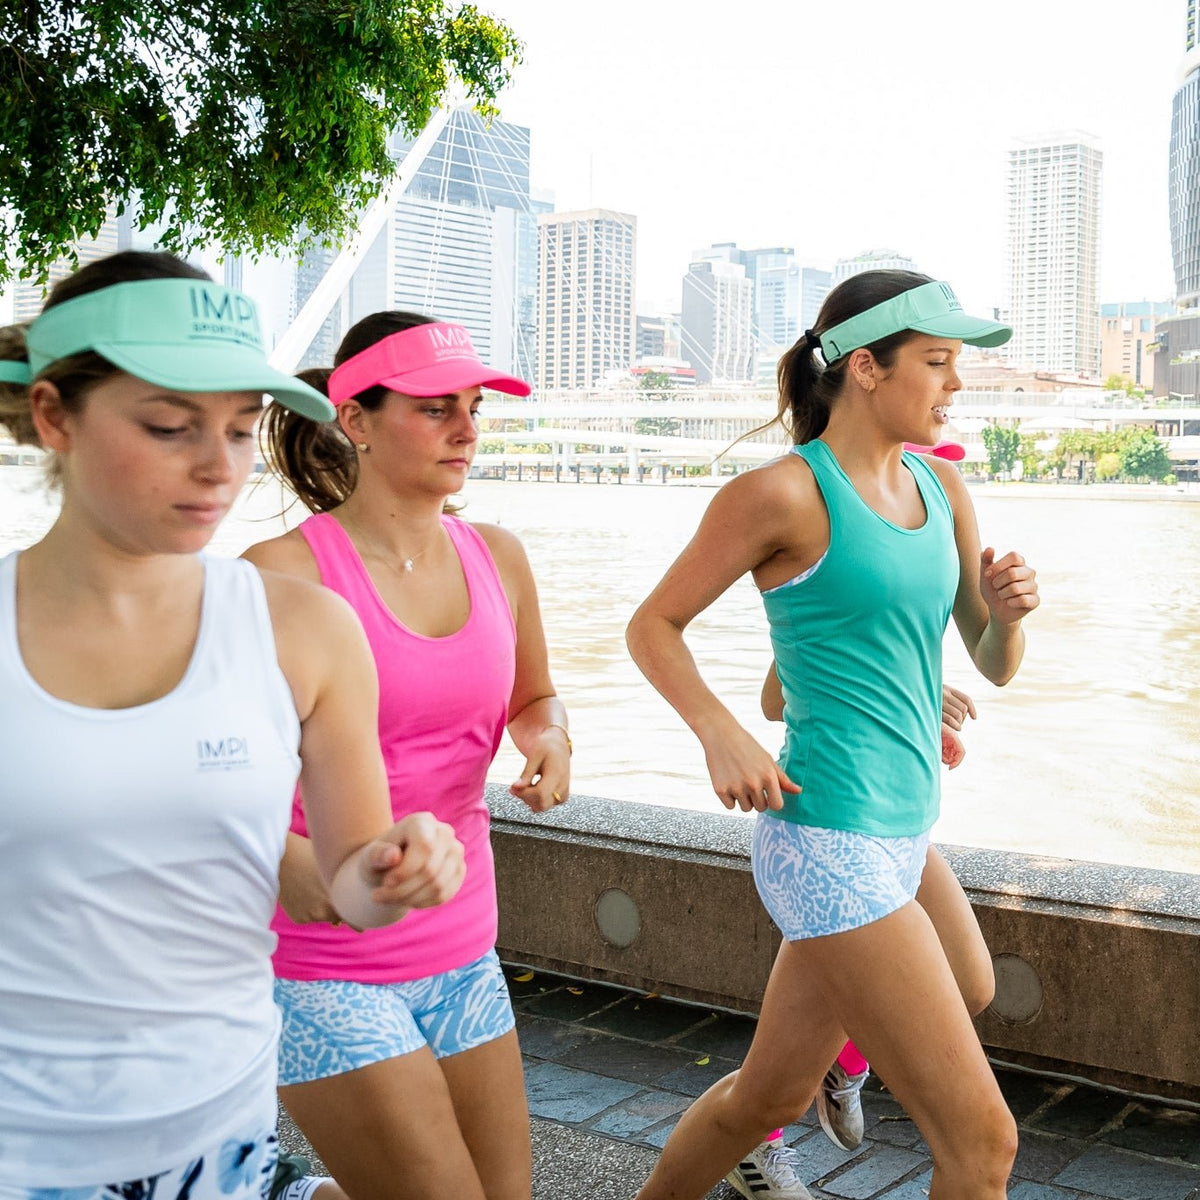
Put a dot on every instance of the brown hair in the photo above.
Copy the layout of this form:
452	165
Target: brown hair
806	389
77	374
315	458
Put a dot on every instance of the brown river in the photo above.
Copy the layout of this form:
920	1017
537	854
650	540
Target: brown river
1092	752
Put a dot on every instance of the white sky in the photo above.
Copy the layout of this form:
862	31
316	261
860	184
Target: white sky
848	125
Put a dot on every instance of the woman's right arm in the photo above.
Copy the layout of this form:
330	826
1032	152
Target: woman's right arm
748	521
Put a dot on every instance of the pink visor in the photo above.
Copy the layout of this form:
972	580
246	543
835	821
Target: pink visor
435	359
950	451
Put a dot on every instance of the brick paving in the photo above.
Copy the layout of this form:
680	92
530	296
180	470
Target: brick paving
605	1063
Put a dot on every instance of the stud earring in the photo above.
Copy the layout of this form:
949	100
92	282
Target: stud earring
362	447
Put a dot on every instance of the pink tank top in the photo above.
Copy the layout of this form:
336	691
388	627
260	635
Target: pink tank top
443	707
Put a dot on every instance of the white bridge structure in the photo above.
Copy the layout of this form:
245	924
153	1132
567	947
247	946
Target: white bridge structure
719	428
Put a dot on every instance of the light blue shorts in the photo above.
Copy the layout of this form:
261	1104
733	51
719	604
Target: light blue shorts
331	1026
814	882
239	1168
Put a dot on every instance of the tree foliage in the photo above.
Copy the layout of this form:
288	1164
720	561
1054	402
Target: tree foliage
1144	456
1003	447
240	122
658	385
1140	453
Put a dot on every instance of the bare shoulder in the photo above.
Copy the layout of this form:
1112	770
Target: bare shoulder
318	638
952	483
778	487
504	545
287	554
302	606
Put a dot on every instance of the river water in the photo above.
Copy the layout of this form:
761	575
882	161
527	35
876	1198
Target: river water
1092	752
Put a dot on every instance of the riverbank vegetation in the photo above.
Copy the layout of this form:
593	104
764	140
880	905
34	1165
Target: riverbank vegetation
1133	454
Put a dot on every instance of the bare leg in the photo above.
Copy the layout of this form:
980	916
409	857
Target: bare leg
891	985
942	897
487	1088
388	1131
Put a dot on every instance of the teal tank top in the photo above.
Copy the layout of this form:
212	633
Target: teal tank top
858	648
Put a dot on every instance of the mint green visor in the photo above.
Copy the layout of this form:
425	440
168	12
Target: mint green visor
188	335
932	308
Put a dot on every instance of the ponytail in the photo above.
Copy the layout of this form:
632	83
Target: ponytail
314	458
806	392
15	413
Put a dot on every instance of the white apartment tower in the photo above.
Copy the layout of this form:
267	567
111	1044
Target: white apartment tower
1053	254
585	297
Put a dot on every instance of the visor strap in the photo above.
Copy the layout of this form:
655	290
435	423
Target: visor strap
12	371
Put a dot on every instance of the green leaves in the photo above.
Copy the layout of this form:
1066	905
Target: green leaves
1138	451
250	123
1003	447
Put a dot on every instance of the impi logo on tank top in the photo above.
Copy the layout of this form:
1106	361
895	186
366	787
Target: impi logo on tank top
222	754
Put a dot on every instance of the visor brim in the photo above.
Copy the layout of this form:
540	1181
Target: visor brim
975	331
207	369
443	379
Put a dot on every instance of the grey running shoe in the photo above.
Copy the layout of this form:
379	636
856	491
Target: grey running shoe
839	1107
288	1169
768	1172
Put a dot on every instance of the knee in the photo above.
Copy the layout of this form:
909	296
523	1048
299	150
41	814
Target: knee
978	987
984	1147
1002	1137
1000	1145
980	991
767	1112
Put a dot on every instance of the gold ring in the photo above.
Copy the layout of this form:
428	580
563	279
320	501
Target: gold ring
557	797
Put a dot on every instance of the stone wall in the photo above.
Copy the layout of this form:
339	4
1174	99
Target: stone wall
1098	966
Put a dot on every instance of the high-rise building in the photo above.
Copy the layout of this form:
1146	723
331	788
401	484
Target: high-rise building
1177	359
871	260
1053	254
459	244
718	317
1127	331
585	297
651	338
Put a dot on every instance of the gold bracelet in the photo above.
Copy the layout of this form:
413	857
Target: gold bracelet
566	734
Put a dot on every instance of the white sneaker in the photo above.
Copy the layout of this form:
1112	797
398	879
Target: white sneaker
839	1107
768	1172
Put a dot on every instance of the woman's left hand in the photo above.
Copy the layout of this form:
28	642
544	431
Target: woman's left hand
953	750
1008	586
546	777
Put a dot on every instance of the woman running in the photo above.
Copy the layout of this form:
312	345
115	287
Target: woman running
157	706
884	548
399	1057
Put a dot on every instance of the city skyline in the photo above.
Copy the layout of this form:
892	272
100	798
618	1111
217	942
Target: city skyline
839	130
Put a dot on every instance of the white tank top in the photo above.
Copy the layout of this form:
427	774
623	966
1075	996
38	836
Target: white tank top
139	851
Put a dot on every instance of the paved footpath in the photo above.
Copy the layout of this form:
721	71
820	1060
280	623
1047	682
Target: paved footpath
608	1073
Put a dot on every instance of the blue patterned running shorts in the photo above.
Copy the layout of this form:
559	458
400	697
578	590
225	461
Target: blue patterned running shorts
814	882
238	1168
331	1025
